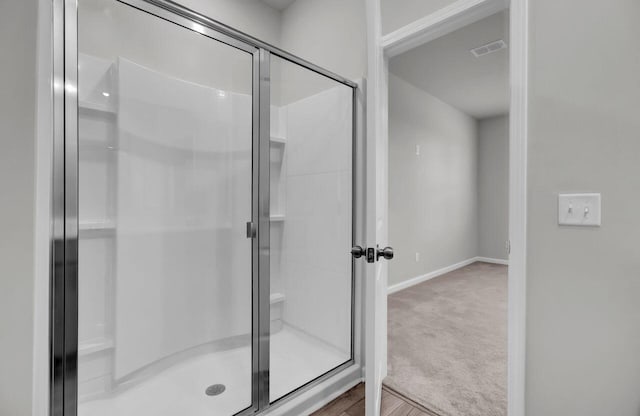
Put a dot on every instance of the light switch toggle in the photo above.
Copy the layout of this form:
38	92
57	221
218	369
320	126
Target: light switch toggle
579	209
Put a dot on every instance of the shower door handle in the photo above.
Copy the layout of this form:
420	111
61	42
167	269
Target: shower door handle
251	230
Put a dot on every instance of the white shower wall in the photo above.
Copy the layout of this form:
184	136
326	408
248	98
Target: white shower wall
183	269
165	192
316	270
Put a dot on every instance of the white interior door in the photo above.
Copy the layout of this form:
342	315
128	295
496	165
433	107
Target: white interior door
376	168
376	283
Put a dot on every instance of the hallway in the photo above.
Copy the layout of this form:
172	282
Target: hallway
448	342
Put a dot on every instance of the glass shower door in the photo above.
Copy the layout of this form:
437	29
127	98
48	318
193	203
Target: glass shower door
311	211
165	191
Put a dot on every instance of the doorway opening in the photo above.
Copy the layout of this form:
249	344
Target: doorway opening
449	104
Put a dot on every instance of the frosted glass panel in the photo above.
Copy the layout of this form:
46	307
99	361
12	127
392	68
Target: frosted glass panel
311	226
165	284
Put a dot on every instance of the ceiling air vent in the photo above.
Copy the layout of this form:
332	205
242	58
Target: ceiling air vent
488	48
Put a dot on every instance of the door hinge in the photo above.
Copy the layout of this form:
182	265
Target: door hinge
507	245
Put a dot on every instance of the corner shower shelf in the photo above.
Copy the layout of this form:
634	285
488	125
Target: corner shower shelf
93	346
278	140
94	107
96	226
276	298
276	218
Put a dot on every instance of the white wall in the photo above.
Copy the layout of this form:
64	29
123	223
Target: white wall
493	187
328	33
182	191
17	187
432	196
252	17
398	13
583	284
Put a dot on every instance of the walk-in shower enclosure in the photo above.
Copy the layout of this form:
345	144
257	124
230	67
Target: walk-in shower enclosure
203	211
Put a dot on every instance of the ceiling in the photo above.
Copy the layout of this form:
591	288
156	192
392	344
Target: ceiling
447	69
279	4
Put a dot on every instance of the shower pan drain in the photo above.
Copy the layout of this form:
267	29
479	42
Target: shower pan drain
215	389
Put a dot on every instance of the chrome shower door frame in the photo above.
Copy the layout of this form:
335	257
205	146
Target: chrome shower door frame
64	200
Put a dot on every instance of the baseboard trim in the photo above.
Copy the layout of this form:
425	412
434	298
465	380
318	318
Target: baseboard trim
428	276
494	261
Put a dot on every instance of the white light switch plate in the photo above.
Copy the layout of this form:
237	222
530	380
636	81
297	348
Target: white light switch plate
579	209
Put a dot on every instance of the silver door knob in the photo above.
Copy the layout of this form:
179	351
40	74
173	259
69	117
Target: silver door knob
357	252
386	252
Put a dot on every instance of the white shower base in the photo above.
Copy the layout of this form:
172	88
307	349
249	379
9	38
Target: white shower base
296	359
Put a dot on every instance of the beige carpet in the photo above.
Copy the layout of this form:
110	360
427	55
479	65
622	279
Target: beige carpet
448	342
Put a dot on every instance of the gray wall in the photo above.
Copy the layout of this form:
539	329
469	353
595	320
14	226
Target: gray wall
493	187
17	187
583	284
443	229
398	13
252	17
329	33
